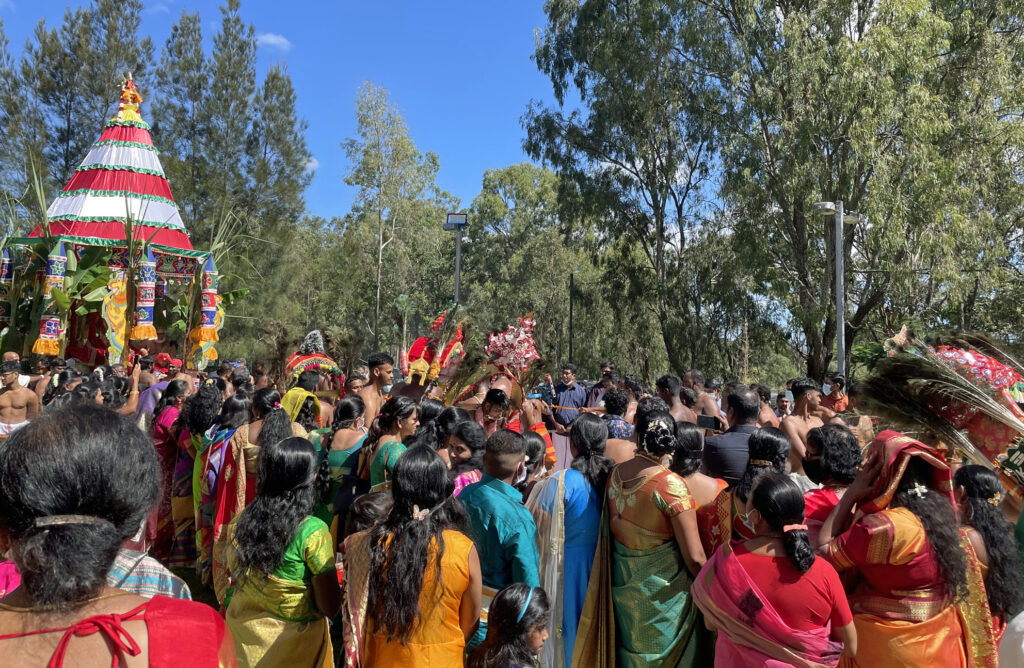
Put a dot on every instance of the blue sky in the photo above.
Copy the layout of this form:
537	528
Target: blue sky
460	71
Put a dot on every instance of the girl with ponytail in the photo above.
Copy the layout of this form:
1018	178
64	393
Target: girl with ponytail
284	584
413	583
340	445
772	586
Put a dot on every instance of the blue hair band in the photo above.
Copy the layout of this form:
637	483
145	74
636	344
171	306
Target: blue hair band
525	606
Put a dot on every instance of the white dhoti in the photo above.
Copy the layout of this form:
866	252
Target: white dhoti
7	428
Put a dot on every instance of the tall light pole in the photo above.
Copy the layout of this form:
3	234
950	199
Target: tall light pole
841	217
457	222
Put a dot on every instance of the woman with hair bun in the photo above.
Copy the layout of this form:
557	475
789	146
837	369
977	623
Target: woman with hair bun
653	552
769	598
993	560
77	483
905	545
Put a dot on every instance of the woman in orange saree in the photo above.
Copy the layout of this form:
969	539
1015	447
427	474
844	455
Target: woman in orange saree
905	546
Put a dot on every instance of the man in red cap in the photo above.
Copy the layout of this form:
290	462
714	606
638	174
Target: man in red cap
163	363
174	368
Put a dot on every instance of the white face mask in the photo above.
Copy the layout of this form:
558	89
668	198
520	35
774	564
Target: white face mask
386	389
826	388
520	474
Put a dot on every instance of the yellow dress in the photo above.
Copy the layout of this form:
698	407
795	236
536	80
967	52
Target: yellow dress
438	639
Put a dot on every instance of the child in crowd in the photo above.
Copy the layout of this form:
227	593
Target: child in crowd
517	629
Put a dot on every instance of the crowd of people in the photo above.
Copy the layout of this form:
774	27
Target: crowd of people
695	523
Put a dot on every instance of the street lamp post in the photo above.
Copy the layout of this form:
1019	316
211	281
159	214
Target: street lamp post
841	217
457	222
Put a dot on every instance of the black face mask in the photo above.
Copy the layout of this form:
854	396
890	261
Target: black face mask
814	470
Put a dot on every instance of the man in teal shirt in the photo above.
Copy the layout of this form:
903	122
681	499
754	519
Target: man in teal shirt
502	528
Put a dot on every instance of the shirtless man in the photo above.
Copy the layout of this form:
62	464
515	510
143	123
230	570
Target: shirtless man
11	356
667	388
805	406
378	387
767	418
147	379
18	404
706	404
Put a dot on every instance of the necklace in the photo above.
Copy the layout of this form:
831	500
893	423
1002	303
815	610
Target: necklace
649	457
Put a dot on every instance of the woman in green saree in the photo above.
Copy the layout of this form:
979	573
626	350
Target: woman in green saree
642	613
284	584
341	444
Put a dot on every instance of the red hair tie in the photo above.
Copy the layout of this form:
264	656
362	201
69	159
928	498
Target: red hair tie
277	404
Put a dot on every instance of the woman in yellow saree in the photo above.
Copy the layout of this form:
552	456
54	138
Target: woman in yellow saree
282	564
906	547
993	562
638	610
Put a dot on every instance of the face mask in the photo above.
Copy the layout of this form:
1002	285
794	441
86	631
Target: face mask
825	389
386	389
520	475
746	522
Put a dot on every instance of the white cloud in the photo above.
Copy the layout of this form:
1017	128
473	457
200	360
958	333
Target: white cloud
270	40
6	4
312	164
158	7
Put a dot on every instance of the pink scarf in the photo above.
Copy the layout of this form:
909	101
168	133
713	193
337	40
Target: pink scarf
750	631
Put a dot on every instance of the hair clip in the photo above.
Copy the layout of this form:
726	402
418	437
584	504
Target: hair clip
918	490
761	462
525	606
277	404
419	515
794	527
995	499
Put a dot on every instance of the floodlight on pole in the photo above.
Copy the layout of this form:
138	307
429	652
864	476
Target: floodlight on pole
841	218
457	222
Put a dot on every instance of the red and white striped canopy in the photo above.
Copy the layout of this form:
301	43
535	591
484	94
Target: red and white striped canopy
121	176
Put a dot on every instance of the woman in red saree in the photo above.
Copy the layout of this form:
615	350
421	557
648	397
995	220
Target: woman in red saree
165	440
906	547
772	602
237	485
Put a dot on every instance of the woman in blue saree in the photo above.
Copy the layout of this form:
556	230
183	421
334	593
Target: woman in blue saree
567	510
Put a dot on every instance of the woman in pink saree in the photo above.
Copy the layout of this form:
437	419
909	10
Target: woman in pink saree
773	603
